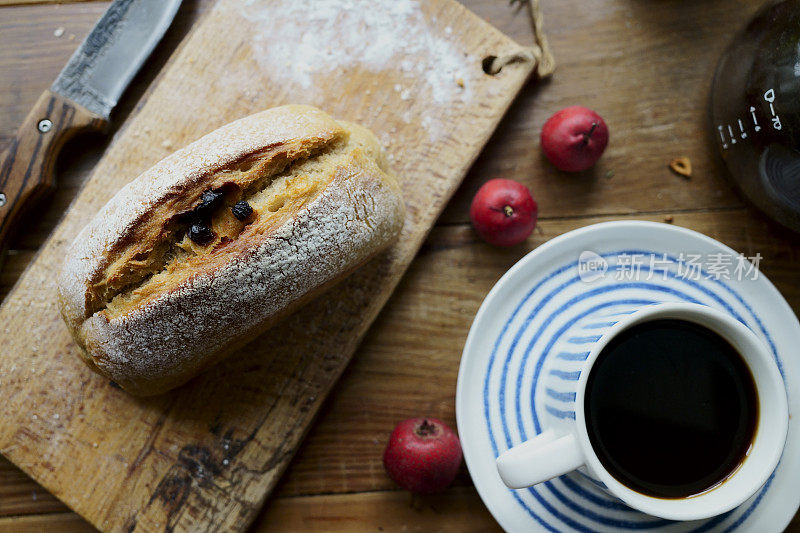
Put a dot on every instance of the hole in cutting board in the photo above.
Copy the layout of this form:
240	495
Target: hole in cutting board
488	65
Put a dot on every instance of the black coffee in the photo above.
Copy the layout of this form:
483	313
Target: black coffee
671	408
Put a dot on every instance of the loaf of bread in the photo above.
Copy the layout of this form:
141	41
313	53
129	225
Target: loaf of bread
217	242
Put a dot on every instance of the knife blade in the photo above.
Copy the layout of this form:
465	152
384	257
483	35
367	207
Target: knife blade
80	99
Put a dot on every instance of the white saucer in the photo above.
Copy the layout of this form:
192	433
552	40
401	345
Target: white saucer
499	405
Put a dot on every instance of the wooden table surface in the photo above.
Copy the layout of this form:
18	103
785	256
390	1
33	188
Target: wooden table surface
645	66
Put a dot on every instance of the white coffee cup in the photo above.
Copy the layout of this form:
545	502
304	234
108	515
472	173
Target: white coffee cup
565	445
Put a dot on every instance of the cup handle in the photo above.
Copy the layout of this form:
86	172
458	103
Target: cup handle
539	459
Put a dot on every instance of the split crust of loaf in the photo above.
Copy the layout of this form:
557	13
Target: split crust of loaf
150	309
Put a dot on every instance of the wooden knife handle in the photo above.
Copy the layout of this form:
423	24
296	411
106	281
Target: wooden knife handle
26	168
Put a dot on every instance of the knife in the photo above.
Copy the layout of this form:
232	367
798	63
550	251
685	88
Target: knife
81	99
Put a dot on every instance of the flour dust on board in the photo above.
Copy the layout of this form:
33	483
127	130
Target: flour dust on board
360	47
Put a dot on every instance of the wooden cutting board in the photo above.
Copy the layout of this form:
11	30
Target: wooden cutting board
205	456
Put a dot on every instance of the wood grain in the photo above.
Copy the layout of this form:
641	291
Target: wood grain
20	495
401	353
6	3
459	510
646	67
651	86
26	167
61	522
407	364
27	38
202	457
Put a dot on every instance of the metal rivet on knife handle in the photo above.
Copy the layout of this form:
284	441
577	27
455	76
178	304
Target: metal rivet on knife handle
81	99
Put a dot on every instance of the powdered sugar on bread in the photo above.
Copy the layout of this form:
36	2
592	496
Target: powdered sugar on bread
89	253
172	337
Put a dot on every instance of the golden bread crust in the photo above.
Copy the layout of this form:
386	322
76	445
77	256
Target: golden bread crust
150	308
